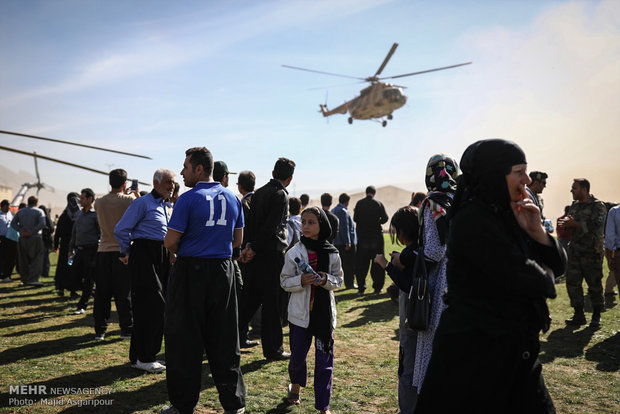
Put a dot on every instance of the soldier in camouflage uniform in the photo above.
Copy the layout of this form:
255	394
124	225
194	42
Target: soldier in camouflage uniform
586	218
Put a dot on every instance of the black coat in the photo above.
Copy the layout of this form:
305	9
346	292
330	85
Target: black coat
266	226
485	354
369	214
62	237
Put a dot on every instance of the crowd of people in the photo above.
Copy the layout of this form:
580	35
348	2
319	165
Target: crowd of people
198	270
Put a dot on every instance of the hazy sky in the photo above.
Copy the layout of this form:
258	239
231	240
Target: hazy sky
158	77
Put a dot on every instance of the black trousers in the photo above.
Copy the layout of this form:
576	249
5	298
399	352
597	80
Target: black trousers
149	265
201	316
347	257
262	287
83	272
8	253
366	252
113	280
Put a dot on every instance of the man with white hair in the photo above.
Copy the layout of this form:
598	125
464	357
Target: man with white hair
140	234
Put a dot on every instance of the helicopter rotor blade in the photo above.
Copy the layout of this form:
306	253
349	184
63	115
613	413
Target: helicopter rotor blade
336	86
386	60
36	168
59	161
74	143
324	73
426	71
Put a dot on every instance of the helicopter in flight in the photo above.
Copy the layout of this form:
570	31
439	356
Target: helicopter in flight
378	100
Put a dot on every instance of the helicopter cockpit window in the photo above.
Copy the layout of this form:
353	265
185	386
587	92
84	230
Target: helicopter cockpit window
393	93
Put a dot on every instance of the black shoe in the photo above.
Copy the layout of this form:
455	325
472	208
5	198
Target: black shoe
578	319
377	291
361	291
280	357
61	292
248	344
74	294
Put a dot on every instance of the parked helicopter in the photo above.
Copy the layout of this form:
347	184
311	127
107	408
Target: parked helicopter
377	101
19	197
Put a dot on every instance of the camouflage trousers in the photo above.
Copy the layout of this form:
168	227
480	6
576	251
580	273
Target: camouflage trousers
590	268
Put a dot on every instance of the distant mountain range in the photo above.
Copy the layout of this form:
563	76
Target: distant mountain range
391	196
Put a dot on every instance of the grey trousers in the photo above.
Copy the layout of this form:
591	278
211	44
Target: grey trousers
30	251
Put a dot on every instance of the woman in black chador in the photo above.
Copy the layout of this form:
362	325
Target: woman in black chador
501	267
62	237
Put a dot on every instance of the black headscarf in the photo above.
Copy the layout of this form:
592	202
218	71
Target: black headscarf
321	314
484	167
73	205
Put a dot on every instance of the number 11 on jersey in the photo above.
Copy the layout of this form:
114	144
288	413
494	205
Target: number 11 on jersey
222	220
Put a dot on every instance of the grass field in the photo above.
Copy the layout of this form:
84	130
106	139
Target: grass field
42	343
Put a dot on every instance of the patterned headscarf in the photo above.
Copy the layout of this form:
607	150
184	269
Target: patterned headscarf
441	173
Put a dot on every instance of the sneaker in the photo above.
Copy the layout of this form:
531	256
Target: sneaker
100	337
280	357
237	411
7	279
152	367
79	311
125	335
169	409
248	344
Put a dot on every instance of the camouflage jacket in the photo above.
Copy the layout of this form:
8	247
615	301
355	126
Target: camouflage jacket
589	237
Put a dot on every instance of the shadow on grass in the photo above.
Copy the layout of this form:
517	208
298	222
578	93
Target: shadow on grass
73	324
31	302
46	348
567	342
382	311
123	402
23	292
282	408
12	321
606	353
48	308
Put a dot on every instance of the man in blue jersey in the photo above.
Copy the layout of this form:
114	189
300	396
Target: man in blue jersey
201	309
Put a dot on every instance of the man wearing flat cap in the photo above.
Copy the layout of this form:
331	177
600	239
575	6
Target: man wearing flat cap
220	173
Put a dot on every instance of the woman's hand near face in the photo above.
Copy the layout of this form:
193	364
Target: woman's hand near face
528	217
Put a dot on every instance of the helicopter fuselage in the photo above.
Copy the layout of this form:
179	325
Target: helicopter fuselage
377	101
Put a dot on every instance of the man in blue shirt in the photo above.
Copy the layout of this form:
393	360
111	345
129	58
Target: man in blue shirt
140	234
345	240
201	313
29	222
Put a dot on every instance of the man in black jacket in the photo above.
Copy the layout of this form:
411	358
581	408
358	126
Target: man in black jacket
264	253
369	215
326	203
